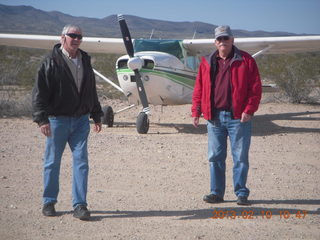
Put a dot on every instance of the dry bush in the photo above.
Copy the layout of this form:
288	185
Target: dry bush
15	102
296	75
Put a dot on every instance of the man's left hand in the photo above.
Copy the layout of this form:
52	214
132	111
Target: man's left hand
245	117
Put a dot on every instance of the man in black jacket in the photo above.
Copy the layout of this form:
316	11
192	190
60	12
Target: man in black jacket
63	98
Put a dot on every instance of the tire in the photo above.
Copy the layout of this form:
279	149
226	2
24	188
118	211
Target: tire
142	123
108	116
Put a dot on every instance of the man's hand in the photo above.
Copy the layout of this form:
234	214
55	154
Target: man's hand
97	127
45	129
196	122
245	117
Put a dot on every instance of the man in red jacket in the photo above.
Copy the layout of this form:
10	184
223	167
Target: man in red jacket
227	92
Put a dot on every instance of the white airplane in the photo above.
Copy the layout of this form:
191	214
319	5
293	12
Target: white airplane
160	72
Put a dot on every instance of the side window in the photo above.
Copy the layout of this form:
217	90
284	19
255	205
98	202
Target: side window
193	62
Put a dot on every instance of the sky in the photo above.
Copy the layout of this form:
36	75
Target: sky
295	16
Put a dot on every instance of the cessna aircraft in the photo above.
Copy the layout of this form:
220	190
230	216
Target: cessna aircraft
160	72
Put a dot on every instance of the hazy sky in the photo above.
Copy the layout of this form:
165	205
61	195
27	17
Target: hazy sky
296	16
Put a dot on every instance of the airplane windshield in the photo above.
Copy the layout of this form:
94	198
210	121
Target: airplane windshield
193	62
172	47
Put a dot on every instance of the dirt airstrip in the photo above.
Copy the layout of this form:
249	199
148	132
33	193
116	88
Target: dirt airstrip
151	186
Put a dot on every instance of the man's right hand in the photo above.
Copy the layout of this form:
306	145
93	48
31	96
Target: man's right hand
45	129
196	122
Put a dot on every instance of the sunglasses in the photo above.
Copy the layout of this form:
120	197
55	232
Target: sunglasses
225	38
74	35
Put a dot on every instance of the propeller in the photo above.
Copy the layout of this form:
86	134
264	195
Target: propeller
134	66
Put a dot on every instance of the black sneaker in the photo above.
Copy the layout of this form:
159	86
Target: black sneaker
243	200
48	210
212	198
81	212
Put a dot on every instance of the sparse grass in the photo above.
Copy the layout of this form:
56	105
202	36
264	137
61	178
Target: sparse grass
15	101
18	68
297	76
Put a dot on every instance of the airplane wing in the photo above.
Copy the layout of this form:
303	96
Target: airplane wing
257	45
254	46
89	44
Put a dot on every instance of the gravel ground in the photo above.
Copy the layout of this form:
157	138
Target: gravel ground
151	186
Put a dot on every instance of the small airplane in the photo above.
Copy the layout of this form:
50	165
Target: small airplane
160	72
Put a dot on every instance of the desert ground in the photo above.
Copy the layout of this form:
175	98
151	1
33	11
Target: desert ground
151	186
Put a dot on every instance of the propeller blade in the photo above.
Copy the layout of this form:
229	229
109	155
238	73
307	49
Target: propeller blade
129	47
141	91
126	35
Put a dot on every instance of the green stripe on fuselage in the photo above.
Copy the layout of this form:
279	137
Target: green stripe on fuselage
183	79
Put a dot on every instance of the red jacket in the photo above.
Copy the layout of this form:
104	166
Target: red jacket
246	87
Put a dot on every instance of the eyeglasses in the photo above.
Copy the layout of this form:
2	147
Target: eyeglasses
74	35
225	38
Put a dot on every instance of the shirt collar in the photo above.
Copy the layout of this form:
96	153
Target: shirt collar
65	52
231	54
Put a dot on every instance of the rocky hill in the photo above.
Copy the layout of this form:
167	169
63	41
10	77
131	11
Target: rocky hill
26	19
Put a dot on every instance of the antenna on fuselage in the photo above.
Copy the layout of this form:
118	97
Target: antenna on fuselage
151	35
194	34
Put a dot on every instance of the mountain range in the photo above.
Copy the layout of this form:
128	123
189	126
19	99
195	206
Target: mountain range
29	20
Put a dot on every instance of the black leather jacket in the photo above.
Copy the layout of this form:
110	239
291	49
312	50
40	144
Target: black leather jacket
55	92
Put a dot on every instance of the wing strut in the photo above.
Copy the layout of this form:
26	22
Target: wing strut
108	81
261	51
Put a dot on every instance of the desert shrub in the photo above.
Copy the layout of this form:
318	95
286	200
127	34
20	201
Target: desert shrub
15	101
18	65
296	75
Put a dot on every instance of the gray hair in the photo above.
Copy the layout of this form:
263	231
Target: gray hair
66	28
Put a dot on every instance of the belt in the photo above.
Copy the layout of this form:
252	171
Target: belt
71	115
221	109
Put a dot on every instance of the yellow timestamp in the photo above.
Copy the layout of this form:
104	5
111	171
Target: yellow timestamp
250	214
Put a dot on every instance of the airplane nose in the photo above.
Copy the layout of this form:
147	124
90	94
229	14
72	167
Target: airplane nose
135	63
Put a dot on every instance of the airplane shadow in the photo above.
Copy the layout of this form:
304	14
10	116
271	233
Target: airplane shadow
263	125
180	127
240	212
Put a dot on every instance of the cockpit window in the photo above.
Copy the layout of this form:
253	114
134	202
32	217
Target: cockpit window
149	64
122	63
172	47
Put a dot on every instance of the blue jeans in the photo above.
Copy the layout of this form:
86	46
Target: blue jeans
75	132
239	133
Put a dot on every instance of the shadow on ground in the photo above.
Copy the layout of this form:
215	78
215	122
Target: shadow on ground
263	125
216	212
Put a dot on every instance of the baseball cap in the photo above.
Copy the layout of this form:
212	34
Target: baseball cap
222	31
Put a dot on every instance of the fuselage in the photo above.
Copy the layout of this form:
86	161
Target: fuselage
168	73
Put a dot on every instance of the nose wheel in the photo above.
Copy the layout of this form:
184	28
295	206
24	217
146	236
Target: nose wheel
142	123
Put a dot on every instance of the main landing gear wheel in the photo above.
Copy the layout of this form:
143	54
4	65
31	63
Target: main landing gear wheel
142	123
108	116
